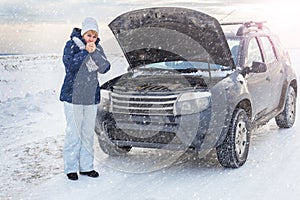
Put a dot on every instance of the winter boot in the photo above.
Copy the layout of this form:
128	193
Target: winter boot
92	173
72	176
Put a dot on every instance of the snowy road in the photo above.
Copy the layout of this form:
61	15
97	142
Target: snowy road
32	132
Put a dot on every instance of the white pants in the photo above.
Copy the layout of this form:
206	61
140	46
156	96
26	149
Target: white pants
78	152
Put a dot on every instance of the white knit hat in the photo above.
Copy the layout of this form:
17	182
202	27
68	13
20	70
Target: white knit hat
89	24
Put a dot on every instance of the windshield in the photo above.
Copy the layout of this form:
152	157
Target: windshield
234	44
185	65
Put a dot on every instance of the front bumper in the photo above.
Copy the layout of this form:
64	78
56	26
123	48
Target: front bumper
167	132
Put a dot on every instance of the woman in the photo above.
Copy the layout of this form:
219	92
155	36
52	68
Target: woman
83	58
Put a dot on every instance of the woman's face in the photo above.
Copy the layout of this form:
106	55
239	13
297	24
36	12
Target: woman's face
90	36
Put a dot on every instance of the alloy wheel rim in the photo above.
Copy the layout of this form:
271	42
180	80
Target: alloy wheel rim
291	107
240	139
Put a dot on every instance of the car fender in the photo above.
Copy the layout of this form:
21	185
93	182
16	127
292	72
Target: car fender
226	96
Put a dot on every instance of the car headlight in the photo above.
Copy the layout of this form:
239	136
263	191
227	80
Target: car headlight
105	102
191	102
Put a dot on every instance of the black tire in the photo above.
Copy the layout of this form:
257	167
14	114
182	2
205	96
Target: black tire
233	152
287	117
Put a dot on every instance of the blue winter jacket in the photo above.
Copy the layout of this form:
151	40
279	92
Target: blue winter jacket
80	84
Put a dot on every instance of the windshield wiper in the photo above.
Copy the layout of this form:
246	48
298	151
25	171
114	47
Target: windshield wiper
187	70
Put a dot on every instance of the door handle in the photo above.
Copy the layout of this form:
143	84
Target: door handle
268	78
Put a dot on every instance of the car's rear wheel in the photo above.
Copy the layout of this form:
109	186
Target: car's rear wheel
233	152
287	117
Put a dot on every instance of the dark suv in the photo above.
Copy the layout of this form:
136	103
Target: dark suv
190	86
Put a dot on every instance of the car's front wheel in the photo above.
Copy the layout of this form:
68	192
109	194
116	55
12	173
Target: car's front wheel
287	117
233	152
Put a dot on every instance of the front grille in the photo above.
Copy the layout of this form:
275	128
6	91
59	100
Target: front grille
143	104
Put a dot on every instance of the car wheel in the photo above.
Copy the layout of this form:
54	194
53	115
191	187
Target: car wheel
233	152
287	117
107	146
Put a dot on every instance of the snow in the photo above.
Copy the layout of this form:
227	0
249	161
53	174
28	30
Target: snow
32	134
32	120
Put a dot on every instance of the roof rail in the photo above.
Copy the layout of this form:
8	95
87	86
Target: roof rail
248	26
259	25
232	23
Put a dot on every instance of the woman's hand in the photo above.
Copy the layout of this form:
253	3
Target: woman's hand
90	47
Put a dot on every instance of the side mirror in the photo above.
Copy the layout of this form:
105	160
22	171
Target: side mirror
258	67
245	71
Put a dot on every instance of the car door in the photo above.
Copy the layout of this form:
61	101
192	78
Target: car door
275	68
259	84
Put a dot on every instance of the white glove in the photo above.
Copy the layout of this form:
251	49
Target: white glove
79	43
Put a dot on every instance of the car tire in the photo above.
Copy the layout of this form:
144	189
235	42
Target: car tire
287	117
233	152
106	145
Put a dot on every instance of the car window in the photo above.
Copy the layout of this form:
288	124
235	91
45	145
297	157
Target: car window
253	53
234	47
279	49
269	53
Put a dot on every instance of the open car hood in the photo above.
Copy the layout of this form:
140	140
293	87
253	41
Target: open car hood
170	34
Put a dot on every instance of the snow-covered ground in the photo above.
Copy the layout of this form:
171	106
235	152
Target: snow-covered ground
32	133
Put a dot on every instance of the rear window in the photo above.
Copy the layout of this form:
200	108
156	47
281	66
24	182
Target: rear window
269	53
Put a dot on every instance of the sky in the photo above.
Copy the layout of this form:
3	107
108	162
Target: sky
43	26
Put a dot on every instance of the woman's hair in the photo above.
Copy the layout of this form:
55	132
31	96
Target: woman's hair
91	31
